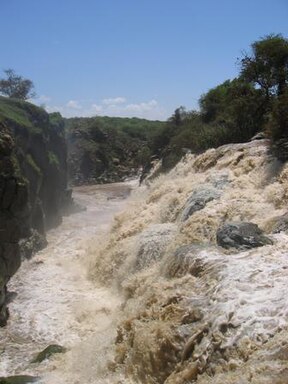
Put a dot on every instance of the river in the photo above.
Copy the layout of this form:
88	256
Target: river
153	298
55	302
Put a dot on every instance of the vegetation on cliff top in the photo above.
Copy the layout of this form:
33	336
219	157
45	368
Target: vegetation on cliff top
40	148
234	111
104	149
16	86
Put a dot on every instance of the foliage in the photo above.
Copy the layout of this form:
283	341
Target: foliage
277	125
53	159
15	86
267	66
24	115
108	148
33	165
213	103
235	110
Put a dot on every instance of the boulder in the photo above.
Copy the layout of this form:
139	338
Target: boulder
279	224
241	235
48	352
185	260
152	244
198	200
259	136
21	379
32	244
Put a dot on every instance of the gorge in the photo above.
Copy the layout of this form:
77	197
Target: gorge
186	284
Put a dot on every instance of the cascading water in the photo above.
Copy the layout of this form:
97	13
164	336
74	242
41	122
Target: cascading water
55	301
163	303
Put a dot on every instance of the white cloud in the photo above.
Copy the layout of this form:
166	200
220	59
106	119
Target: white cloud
97	108
142	107
118	106
54	108
74	104
43	99
114	101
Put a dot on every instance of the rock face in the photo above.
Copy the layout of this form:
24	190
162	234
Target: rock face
14	214
40	148
241	235
33	183
105	150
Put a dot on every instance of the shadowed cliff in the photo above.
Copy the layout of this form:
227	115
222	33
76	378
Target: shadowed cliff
33	182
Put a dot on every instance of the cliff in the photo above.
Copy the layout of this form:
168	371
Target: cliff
33	183
108	149
13	214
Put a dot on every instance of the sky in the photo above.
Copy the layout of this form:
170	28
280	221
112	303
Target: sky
135	58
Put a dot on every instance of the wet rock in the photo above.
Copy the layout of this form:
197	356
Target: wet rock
198	200
152	244
48	352
33	182
220	181
241	235
32	244
259	136
4	313
280	149
184	261
21	379
279	224
69	205
13	215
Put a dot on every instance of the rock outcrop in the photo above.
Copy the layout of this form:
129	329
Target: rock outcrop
14	214
241	235
33	183
198	200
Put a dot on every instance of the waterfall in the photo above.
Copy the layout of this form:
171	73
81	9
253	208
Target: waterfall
149	296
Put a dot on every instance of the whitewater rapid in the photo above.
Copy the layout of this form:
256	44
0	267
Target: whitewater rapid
153	298
55	302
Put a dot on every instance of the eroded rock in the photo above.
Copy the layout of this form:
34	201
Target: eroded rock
198	200
152	244
48	352
241	235
278	224
184	261
21	379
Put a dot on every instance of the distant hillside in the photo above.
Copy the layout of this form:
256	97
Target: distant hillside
108	149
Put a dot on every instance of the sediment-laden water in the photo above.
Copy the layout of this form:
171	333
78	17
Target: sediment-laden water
54	300
154	299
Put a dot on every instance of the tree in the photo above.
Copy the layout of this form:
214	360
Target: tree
178	116
15	86
213	103
267	66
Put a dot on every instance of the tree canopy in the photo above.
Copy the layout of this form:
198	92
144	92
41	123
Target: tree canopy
234	111
15	86
267	65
